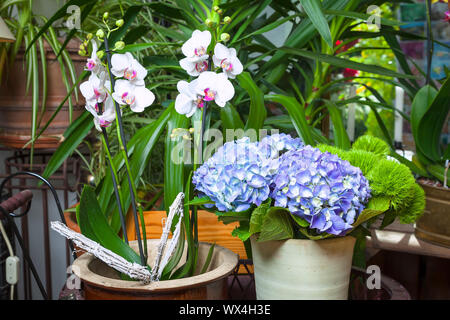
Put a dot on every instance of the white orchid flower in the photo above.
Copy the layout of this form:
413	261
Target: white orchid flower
137	97
95	90
188	101
215	86
226	59
124	65
195	50
107	117
94	64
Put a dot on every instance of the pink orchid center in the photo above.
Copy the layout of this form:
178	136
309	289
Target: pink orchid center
200	51
129	74
97	93
199	102
97	109
90	65
128	98
104	123
226	65
209	94
201	66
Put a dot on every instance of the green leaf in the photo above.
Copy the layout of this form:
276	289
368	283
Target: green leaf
230	217
174	170
276	226
375	207
93	223
297	114
199	201
313	9
230	118
242	232
258	112
208	258
421	103
300	221
257	217
73	136
269	27
345	63
432	122
341	138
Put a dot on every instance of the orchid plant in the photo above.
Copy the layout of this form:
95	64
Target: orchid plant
115	84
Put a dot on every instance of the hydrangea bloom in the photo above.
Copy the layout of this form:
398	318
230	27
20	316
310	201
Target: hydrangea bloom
274	144
236	176
321	188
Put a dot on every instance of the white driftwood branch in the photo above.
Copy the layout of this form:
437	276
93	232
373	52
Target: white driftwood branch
175	208
133	270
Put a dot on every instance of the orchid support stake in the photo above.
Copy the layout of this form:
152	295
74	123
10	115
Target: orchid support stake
123	147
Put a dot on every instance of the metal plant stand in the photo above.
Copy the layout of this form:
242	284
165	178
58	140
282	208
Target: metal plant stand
66	179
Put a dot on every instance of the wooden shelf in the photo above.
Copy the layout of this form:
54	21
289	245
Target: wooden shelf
405	241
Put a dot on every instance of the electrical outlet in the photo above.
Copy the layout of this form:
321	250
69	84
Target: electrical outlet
12	269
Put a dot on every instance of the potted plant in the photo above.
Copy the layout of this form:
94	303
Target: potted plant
37	73
302	208
429	111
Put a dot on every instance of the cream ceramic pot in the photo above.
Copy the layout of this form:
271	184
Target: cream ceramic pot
303	269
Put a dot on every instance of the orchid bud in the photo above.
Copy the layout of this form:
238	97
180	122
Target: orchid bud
82	47
82	52
209	23
216	8
119	23
191	130
100	54
227	20
225	37
89	36
119	45
220	11
106	15
100	34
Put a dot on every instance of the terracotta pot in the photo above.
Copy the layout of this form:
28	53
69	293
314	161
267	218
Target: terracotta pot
434	225
101	282
16	103
303	269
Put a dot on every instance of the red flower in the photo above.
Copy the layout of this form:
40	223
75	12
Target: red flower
348	73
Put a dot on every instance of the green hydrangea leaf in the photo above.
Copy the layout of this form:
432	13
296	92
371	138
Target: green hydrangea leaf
276	225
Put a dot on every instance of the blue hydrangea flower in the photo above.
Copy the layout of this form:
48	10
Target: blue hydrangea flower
236	176
321	188
272	146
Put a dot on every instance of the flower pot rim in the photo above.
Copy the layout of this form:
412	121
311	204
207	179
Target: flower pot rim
328	240
81	268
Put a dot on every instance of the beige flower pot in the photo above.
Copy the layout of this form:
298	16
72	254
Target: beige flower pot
303	269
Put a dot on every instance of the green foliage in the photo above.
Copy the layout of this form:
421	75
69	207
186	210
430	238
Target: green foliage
276	225
372	144
428	117
393	180
415	208
390	182
331	149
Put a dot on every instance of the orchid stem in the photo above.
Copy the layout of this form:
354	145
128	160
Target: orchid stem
117	191
132	187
